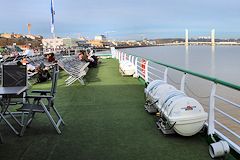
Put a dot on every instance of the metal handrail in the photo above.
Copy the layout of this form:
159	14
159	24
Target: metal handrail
215	80
156	70
227	115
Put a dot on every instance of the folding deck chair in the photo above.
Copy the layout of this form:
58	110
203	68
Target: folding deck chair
75	68
38	105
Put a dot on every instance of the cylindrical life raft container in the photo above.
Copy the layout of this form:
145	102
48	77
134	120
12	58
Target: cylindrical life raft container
126	68
152	85
184	114
158	91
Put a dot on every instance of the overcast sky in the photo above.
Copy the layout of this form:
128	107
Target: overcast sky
123	19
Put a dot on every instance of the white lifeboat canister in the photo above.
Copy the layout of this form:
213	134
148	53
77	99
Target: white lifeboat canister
126	68
183	114
168	95
153	96
152	85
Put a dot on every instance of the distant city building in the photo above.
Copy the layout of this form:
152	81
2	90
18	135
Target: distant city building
204	37
100	44
30	36
17	35
121	43
14	35
83	43
52	42
70	42
100	38
131	43
38	37
149	42
6	35
96	43
33	36
60	42
82	39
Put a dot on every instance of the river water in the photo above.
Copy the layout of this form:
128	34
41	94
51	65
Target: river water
222	62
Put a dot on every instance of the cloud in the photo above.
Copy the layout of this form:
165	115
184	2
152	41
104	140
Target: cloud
122	18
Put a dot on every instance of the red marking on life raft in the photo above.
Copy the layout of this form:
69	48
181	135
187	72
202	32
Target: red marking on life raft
143	67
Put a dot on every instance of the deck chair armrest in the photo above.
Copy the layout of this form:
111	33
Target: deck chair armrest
38	96
41	91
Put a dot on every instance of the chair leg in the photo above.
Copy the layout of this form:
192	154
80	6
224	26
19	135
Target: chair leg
31	119
22	118
71	81
50	118
81	81
68	78
9	124
1	139
58	115
25	123
16	120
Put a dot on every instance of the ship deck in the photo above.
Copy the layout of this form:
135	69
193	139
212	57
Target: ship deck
104	120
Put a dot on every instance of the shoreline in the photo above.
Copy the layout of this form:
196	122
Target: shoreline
126	47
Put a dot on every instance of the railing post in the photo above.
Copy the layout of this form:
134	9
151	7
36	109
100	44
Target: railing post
211	115
116	56
136	67
146	72
119	56
165	74
182	88
125	57
132	60
113	52
129	58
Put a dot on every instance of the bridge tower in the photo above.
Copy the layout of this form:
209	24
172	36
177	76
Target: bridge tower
186	37
213	37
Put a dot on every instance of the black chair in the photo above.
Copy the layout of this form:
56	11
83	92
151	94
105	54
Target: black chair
38	106
12	76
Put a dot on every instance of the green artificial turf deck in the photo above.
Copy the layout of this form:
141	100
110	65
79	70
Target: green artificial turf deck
105	120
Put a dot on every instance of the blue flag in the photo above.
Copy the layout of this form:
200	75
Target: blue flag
52	19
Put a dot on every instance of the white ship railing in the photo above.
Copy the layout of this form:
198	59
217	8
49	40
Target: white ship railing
149	73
